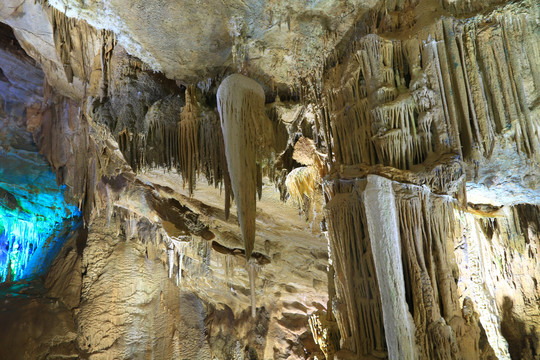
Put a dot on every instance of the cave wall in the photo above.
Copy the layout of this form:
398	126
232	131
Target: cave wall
424	122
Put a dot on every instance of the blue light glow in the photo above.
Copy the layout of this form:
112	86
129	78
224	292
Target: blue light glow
35	219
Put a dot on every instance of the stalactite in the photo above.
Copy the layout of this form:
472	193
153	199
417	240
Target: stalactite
188	139
108	42
211	148
241	109
351	125
176	251
170	258
161	145
448	100
109	204
478	98
397	129
180	250
528	124
62	40
228	269
246	132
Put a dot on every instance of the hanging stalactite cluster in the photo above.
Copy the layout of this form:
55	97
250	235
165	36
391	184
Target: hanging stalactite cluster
189	138
394	102
426	225
76	43
358	309
190	146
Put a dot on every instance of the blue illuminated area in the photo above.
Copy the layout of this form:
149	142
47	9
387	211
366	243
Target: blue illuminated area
35	219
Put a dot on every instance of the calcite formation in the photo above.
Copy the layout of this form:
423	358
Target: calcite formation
269	180
241	109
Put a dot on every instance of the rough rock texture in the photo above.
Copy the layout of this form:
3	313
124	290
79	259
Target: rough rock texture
437	100
146	317
35	326
224	33
494	267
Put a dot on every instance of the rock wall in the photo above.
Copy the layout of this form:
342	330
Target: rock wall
414	124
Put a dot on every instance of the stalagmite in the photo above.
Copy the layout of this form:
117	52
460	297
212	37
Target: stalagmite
383	228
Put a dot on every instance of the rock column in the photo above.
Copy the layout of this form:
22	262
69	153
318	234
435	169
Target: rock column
381	214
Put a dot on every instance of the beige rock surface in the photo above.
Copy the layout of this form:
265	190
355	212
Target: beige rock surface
441	97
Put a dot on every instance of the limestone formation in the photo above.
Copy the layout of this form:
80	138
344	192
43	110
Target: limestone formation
383	158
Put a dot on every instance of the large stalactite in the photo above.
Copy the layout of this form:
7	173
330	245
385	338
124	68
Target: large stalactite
241	109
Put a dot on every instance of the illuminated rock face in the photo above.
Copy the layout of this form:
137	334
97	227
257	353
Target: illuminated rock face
34	214
407	132
32	232
35	218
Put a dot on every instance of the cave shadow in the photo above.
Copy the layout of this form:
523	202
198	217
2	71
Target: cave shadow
522	344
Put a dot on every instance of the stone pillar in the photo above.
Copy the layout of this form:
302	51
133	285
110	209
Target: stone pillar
381	214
